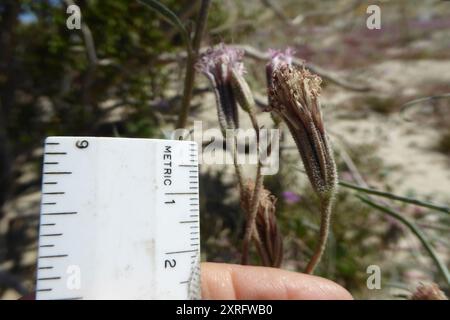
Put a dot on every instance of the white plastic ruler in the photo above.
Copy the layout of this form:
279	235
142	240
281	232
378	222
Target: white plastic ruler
119	219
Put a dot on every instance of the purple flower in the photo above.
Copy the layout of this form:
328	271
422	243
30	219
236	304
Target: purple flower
220	65
291	197
278	58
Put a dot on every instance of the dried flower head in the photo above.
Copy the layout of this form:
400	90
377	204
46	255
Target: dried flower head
428	291
294	95
278	58
269	236
222	65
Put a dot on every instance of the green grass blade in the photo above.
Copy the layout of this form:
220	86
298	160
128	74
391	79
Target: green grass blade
392	196
416	231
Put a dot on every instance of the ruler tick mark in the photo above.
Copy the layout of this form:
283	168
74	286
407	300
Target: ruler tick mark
49	203
48	224
188	165
189	221
180	193
53	182
55	256
49	278
52	235
183	251
54	193
44	290
55	153
52	143
51	162
47	246
58	172
57	213
45	268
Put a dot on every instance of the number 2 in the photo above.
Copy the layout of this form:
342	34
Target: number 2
170	263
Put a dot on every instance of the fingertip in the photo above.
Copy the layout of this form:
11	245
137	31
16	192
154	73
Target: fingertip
228	281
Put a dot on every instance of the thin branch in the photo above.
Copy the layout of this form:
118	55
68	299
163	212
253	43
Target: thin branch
256	54
426	99
302	17
190	65
430	99
253	53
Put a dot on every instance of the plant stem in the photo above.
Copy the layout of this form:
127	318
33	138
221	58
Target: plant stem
396	197
325	208
414	229
190	63
237	166
251	217
259	246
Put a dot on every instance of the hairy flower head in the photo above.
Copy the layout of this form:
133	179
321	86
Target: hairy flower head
294	96
277	59
224	68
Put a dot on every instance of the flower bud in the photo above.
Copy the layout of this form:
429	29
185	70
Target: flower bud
269	235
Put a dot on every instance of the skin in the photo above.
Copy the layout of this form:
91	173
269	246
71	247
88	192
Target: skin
221	281
230	282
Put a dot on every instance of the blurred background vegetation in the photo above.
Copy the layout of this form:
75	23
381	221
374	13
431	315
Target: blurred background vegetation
122	75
